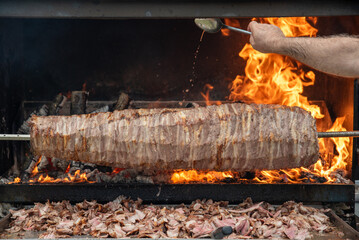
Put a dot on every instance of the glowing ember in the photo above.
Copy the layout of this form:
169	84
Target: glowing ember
117	170
277	79
68	168
16	180
37	177
198	176
77	177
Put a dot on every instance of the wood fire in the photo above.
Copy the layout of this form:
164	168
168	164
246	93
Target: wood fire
276	79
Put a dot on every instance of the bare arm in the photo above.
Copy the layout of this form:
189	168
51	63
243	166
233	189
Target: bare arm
337	55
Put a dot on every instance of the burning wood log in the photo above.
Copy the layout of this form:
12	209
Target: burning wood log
235	136
78	102
105	108
57	104
25	127
30	161
122	102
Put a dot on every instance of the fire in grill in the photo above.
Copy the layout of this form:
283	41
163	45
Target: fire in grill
269	79
279	84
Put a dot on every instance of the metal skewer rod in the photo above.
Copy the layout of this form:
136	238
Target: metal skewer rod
26	137
15	137
236	29
338	134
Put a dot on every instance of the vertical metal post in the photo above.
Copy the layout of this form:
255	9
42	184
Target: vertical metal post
355	170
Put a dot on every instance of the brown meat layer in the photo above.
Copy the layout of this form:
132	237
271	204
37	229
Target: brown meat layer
235	136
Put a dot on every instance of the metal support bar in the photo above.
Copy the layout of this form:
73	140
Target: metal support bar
355	169
179	193
338	134
15	137
26	137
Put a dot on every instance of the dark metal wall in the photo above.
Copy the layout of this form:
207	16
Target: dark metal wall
150	59
11	85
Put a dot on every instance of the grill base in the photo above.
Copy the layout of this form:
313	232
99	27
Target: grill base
179	193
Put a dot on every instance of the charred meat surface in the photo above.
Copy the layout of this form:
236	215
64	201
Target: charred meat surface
235	136
123	218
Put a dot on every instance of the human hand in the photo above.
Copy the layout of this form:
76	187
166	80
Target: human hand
265	38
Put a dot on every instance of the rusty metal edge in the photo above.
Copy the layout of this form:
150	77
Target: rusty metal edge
348	231
110	9
4	222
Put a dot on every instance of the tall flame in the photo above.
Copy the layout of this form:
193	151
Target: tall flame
277	79
273	78
208	87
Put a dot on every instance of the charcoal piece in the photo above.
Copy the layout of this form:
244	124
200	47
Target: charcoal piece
56	104
31	165
4	209
102	177
50	109
122	102
4	180
229	180
104	169
60	163
105	108
238	137
91	175
78	102
89	166
144	179
25	127
43	164
192	105
248	175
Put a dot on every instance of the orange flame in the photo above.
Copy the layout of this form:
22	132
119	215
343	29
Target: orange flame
273	78
277	79
16	180
117	170
35	171
197	176
77	177
208	87
230	22
340	161
36	177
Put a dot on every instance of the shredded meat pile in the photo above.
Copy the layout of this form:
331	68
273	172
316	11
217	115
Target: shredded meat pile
127	218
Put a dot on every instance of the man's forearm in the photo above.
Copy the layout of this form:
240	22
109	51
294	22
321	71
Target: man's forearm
338	55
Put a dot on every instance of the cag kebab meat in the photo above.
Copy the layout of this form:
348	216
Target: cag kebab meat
236	136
